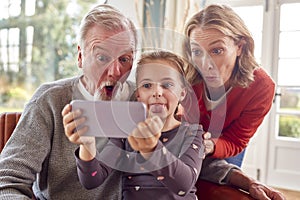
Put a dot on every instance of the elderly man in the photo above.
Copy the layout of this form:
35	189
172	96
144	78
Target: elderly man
38	154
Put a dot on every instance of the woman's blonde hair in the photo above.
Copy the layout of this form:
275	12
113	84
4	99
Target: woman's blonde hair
224	19
107	17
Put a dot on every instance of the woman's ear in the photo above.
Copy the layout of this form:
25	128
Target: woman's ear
240	46
79	56
182	94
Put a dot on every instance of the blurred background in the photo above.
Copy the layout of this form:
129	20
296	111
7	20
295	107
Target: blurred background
38	44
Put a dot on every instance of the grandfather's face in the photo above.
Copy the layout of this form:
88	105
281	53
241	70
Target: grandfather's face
214	54
106	58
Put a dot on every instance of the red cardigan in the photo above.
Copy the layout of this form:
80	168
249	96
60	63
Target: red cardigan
234	122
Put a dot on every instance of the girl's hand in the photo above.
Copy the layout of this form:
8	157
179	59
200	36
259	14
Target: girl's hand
72	120
145	136
209	145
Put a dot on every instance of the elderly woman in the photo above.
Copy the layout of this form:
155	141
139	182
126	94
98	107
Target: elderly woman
234	93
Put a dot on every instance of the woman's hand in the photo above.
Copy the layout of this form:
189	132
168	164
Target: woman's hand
209	145
145	136
256	189
260	191
72	120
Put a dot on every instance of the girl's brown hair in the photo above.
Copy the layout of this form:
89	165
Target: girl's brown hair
171	58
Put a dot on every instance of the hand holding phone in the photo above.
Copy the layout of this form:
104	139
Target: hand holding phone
114	119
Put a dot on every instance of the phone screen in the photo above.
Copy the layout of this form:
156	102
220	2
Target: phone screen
114	119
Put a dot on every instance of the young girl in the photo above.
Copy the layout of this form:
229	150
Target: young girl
162	157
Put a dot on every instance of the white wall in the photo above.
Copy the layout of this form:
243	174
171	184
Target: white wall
131	8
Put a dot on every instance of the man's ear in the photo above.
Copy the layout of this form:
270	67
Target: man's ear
79	56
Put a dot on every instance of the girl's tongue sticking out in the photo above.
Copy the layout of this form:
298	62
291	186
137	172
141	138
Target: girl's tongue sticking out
156	108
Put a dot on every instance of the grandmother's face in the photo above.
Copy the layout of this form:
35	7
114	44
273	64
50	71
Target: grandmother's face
215	55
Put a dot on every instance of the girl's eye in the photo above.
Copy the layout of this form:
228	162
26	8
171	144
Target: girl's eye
166	85
147	85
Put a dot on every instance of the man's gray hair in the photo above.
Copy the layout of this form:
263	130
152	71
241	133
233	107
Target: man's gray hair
110	18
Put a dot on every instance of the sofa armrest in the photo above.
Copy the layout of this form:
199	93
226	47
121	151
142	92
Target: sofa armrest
8	122
211	191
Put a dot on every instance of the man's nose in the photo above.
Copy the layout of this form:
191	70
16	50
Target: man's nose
157	90
114	69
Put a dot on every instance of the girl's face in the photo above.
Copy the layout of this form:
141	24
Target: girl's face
160	88
215	55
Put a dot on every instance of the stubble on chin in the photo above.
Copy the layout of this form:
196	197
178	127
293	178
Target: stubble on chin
102	96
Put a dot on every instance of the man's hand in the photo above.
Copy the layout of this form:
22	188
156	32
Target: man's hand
209	145
145	136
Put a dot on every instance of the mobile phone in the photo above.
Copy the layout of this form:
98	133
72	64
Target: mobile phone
114	119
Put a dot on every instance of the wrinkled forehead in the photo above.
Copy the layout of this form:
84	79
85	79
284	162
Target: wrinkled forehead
120	38
119	41
210	35
113	42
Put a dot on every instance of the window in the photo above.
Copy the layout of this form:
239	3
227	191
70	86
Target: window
10	8
10	49
37	44
288	70
253	18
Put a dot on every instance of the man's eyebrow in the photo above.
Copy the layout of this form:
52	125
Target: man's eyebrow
97	47
127	51
106	50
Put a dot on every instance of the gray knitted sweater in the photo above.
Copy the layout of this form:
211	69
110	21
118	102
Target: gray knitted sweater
39	154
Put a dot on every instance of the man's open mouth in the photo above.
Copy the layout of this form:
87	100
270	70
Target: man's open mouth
109	88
